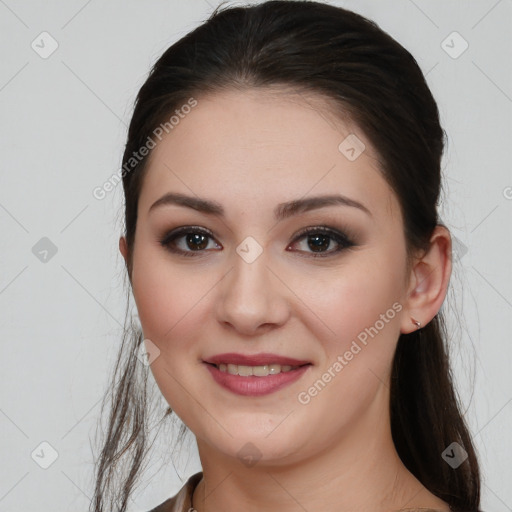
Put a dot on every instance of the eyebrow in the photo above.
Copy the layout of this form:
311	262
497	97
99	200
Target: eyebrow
282	210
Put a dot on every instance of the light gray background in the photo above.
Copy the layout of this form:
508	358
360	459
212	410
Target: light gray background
62	132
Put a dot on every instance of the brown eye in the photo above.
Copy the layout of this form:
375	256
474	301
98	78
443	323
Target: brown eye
196	241
187	241
320	242
320	239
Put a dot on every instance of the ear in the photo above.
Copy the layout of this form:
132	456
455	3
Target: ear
429	280
123	247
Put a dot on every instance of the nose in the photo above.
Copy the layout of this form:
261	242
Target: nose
252	299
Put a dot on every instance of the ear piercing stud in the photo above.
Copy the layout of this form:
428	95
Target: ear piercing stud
416	323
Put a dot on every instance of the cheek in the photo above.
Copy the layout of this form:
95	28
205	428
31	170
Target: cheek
360	303
172	305
168	298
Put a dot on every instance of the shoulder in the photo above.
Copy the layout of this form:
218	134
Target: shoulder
427	510
182	501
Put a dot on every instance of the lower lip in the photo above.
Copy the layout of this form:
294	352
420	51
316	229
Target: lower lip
255	386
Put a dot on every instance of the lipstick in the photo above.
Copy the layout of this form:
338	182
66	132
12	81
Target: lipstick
272	372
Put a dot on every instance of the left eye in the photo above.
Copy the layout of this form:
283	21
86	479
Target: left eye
318	240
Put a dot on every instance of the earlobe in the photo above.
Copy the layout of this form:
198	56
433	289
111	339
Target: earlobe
429	282
123	247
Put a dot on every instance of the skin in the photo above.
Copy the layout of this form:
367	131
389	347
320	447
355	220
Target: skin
249	151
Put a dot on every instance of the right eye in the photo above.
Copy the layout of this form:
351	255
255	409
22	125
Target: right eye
191	238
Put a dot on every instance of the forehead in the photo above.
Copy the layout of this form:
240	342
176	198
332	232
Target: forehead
263	147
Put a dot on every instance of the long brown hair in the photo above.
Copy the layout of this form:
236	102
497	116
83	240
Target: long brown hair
370	77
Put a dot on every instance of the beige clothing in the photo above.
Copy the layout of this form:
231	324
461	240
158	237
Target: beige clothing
182	502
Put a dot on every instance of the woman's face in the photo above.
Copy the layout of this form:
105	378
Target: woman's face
242	278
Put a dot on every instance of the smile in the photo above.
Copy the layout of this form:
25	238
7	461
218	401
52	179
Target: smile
257	371
255	380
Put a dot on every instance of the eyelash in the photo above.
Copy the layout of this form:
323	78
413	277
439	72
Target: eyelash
343	241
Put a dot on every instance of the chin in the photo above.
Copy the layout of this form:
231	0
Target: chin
252	448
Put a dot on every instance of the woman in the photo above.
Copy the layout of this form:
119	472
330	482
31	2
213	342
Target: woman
283	246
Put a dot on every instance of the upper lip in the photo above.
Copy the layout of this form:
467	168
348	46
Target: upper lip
255	359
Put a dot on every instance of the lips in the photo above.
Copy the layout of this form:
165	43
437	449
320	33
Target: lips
257	374
266	379
254	360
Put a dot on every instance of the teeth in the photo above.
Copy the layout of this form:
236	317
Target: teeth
258	371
